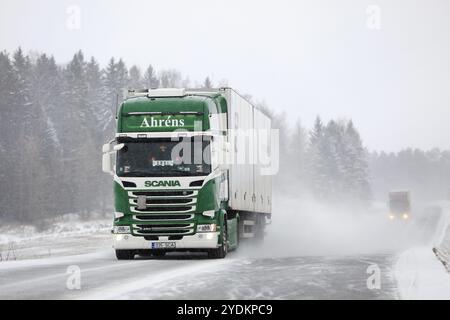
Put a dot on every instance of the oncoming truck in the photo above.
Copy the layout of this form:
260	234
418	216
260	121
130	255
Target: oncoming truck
192	172
399	205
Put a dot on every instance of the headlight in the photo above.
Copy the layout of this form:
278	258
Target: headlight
405	216
121	229
391	216
206	227
209	213
118	215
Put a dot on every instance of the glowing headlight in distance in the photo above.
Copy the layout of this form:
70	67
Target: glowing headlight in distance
391	217
206	227
405	216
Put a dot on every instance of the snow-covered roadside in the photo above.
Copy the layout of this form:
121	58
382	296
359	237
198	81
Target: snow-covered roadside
67	236
421	276
421	272
441	244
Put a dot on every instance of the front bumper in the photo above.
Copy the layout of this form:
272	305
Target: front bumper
206	240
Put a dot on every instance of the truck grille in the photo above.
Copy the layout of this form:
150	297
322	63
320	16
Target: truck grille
164	229
162	201
182	193
157	217
163	213
166	201
170	201
165	209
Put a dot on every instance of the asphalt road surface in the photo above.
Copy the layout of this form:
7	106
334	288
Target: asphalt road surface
101	276
266	272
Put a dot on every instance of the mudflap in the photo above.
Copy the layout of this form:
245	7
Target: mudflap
233	233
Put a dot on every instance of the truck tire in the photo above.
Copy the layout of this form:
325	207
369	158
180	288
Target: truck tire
221	251
125	254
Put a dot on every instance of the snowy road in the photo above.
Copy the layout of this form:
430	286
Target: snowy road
309	258
194	277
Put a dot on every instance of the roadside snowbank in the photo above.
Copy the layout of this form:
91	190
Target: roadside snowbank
421	271
420	276
66	236
442	241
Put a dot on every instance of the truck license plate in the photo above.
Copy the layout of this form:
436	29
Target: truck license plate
164	245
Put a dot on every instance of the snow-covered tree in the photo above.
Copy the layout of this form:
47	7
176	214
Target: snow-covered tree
9	151
115	82
316	166
170	78
355	164
337	163
135	80
207	84
297	153
151	80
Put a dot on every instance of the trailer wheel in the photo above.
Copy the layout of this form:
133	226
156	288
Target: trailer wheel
125	254
221	251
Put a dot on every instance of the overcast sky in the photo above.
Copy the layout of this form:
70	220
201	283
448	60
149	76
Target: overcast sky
389	72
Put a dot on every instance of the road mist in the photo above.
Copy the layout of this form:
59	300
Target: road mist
303	226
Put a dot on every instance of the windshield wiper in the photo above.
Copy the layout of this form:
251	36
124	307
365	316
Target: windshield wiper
178	170
189	173
137	174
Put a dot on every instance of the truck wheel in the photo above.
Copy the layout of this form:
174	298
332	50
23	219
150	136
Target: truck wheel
222	251
125	254
158	253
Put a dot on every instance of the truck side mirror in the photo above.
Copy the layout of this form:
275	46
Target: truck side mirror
106	148
106	163
118	147
106	158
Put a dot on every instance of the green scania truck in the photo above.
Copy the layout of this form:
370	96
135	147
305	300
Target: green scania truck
192	172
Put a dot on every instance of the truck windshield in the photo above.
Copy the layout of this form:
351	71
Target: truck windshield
164	157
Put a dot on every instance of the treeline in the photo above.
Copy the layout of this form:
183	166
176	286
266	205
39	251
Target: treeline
54	119
329	161
425	173
53	122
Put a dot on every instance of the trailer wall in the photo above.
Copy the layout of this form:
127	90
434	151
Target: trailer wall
249	189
